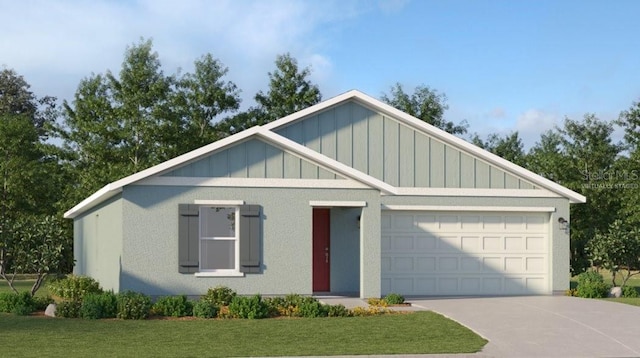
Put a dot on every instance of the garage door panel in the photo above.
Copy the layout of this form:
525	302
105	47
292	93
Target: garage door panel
465	253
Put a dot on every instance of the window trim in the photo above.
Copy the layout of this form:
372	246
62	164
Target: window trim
220	272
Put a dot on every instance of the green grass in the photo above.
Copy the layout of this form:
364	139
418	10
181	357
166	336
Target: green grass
635	301
23	285
414	333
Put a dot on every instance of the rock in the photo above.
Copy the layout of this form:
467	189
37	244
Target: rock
615	292
51	310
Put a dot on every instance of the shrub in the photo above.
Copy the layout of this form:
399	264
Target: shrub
11	302
204	309
22	310
309	307
173	306
219	296
275	306
40	303
248	307
337	311
369	311
99	305
629	291
591	285
74	287
394	299
133	305
572	292
377	302
68	309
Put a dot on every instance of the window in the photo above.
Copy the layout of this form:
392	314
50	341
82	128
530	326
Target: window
219	243
219	238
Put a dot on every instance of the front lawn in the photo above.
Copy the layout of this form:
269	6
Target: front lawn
411	333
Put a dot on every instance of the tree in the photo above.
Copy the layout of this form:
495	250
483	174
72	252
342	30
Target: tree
17	99
119	125
582	157
290	91
30	174
617	250
509	147
36	245
202	97
426	104
628	166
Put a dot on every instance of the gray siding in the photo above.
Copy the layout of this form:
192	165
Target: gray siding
150	259
393	152
97	243
253	159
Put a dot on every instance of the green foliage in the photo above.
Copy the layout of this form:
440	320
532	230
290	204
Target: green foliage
18	303
40	303
337	311
74	287
119	124
219	296
133	305
204	309
99	305
591	285
582	156
509	147
426	104
173	306
617	250
68	309
309	307
630	292
290	90
394	299
248	307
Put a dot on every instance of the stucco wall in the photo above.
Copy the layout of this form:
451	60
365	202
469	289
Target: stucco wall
150	223
345	250
97	243
559	240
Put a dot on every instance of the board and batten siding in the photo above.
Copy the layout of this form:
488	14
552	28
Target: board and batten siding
253	159
395	153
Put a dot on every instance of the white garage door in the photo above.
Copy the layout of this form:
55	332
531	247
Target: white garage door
465	253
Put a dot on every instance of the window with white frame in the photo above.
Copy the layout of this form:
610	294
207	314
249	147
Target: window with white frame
219	239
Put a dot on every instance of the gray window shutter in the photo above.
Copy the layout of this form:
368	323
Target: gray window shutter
250	234
188	238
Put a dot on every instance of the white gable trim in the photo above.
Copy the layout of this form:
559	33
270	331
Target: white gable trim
253	182
470	192
437	133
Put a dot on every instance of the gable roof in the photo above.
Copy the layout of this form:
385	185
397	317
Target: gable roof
267	133
447	138
115	188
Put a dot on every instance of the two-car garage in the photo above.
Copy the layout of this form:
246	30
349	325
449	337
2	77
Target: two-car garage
465	252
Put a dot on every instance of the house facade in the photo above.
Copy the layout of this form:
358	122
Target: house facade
349	196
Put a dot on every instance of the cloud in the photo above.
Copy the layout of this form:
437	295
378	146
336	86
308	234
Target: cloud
55	44
533	122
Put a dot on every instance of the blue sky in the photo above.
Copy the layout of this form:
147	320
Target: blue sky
504	65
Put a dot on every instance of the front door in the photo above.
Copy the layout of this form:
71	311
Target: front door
321	266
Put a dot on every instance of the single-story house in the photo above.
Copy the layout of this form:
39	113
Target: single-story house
349	196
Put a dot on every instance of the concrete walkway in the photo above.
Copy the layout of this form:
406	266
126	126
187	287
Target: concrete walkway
546	326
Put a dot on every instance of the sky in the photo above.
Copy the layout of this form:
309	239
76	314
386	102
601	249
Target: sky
504	65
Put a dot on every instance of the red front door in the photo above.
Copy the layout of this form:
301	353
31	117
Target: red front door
321	266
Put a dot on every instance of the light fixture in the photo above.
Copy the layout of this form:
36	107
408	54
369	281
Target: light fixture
358	221
564	224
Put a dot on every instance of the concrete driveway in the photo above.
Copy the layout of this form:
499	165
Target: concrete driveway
546	326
